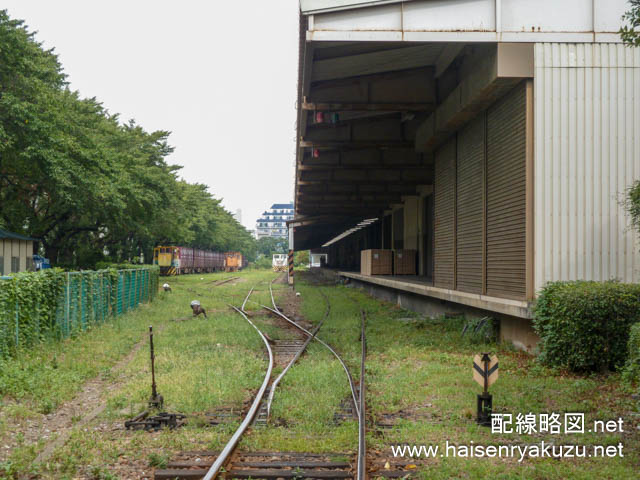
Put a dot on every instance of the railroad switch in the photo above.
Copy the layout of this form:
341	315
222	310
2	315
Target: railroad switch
155	422
144	421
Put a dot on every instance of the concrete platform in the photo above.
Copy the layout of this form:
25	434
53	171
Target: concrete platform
420	286
419	295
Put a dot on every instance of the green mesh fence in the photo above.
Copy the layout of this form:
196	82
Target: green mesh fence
27	315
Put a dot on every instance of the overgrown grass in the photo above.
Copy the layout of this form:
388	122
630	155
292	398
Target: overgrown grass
194	357
422	366
414	364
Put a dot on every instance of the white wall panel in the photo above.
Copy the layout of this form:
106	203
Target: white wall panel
547	16
587	153
449	15
386	17
469	20
608	14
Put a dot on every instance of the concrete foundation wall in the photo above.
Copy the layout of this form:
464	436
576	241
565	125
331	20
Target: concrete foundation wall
518	331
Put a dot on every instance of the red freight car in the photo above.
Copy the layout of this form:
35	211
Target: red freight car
179	260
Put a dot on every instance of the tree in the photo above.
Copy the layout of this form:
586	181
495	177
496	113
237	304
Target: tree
301	258
74	176
269	246
633	205
630	32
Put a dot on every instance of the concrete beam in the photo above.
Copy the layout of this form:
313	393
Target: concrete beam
406	89
354	145
369	107
448	55
491	76
387	60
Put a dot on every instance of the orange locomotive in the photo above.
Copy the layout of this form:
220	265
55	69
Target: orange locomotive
233	261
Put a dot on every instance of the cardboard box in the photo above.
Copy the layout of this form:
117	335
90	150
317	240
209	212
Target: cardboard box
375	262
404	262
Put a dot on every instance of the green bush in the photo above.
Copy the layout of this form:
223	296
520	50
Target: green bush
28	303
632	368
263	262
119	266
56	304
584	325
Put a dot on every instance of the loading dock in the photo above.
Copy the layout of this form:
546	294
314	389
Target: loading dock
496	150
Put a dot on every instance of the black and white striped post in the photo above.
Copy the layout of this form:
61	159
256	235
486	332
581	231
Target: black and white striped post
290	259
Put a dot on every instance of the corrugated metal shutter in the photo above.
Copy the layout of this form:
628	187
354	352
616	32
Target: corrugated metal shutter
506	163
470	206
445	196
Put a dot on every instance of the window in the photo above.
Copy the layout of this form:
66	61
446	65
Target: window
1	266
15	264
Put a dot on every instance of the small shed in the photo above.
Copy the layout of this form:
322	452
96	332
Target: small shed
16	252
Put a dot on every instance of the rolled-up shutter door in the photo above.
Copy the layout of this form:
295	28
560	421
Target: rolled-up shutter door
470	207
506	160
444	229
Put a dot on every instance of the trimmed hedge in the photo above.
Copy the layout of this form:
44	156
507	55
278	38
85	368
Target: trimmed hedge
632	368
584	325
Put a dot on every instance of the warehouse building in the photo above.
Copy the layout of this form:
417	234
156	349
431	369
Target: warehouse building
494	138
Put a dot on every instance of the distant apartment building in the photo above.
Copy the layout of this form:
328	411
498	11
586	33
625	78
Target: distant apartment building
238	215
272	223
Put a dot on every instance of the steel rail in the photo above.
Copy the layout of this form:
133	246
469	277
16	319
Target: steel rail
354	395
231	444
362	446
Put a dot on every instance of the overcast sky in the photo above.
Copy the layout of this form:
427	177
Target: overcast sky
220	76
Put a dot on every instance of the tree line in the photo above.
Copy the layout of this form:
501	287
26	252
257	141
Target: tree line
91	187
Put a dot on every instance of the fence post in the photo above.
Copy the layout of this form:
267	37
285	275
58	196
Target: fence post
68	304
121	291
81	303
101	297
17	324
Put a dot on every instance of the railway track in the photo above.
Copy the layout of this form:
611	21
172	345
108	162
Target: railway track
229	463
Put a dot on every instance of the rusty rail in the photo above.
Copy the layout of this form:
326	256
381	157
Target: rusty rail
233	442
362	445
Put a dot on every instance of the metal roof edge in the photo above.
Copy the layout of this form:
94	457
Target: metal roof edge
16	236
310	7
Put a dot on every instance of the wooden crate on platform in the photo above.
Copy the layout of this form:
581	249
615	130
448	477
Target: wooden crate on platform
404	262
375	262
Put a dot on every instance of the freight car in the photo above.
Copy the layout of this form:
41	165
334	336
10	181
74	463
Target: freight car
234	261
175	260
